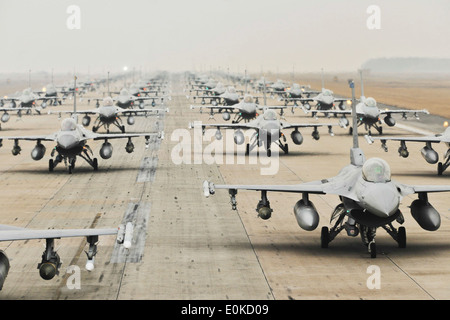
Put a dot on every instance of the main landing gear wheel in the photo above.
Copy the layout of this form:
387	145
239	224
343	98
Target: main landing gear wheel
324	238
50	165
122	128
95	164
247	149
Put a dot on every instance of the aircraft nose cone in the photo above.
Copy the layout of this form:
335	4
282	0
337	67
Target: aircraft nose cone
108	112
381	199
67	141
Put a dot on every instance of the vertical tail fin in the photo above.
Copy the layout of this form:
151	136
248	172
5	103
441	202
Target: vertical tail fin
356	154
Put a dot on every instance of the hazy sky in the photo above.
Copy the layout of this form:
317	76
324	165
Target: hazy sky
203	34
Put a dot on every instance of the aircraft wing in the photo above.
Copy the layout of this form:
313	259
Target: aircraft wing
140	111
404	111
229	109
341	185
94	111
309	188
9	233
433	139
100	136
431	188
286	125
229	126
260	107
51	137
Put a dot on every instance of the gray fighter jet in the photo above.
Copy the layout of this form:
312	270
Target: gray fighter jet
268	130
245	110
26	99
369	199
368	114
126	99
71	142
51	92
427	152
295	93
109	114
325	100
228	98
51	262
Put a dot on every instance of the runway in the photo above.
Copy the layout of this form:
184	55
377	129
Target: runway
188	247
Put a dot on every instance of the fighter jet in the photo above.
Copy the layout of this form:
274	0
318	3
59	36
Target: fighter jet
217	90
427	152
295	93
278	87
246	110
127	100
261	84
26	99
71	141
268	130
228	98
369	199
51	262
109	114
368	114
51	92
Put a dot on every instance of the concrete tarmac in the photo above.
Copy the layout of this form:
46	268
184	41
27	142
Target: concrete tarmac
188	247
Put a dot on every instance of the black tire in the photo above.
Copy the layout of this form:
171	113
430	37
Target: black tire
286	150
440	169
95	164
269	153
50	165
373	250
324	238
401	237
122	128
350	131
247	149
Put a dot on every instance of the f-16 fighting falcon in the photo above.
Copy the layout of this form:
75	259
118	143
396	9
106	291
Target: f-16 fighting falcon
109	114
268	129
368	114
71	141
369	199
246	110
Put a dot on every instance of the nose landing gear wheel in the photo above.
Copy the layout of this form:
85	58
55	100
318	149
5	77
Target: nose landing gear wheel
373	249
324	238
